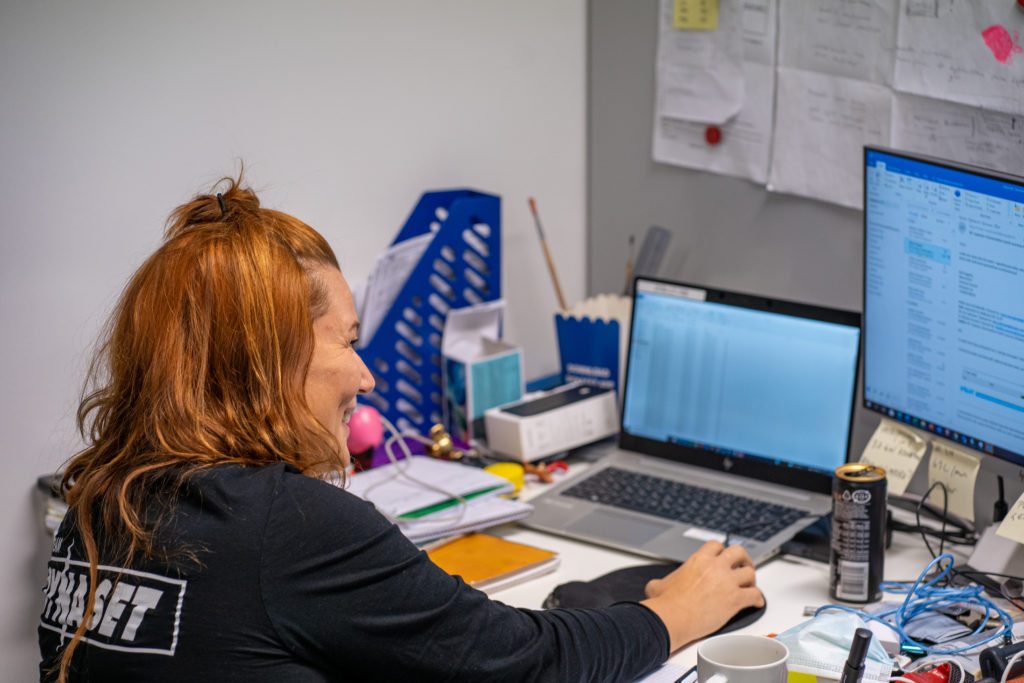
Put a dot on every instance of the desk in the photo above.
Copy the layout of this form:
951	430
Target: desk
789	584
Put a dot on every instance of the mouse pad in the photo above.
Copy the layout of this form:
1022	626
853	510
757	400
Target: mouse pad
627	585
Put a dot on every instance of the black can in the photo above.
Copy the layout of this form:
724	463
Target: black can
857	559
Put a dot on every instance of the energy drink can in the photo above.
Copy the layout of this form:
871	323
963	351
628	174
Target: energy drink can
857	557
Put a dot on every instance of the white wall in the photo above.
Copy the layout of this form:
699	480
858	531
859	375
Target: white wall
115	111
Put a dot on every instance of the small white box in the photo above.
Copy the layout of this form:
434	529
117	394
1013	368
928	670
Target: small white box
564	418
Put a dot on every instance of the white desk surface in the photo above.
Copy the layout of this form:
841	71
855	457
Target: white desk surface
789	584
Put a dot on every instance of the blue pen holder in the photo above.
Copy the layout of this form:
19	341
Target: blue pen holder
460	267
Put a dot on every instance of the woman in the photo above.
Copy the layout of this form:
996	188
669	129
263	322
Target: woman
200	543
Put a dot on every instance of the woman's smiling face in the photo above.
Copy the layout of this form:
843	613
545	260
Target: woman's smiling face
336	372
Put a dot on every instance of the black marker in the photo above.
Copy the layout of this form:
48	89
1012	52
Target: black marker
854	668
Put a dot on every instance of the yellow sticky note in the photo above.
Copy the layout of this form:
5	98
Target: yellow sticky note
898	450
699	15
798	677
957	469
1013	525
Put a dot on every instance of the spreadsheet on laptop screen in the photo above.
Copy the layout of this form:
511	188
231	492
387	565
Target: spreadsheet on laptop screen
740	381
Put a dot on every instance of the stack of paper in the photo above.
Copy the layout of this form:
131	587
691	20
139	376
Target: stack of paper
429	498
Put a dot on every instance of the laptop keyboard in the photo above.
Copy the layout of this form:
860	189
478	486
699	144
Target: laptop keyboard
724	512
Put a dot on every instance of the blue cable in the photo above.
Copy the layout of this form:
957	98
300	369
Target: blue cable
924	596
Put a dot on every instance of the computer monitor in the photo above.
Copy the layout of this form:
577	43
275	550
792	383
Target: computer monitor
944	299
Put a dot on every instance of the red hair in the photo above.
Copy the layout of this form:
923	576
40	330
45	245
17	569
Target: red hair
203	362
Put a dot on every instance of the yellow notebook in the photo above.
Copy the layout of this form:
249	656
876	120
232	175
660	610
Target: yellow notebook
489	563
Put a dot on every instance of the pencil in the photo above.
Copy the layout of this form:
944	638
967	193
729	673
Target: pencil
547	254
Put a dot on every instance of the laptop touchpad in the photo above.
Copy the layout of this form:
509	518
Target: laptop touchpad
617	528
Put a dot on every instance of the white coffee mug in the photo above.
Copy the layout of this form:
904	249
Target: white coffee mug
741	658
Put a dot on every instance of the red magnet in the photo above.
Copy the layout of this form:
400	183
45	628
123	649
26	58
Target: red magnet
713	135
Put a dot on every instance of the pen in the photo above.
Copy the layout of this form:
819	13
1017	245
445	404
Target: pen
854	668
685	678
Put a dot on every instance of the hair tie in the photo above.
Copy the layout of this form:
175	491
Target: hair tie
220	200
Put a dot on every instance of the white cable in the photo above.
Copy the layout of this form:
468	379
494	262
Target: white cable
400	467
1009	666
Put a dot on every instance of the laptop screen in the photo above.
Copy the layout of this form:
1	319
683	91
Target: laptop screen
757	386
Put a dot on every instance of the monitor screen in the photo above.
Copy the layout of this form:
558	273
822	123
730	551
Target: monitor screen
741	375
944	299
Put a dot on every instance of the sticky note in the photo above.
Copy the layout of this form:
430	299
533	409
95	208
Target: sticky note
1013	525
898	450
797	677
957	469
701	15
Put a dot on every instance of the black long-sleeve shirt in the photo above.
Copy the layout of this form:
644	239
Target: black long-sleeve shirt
292	579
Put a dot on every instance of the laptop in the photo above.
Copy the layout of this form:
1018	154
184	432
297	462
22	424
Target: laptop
727	398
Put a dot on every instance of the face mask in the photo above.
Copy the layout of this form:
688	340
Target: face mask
820	647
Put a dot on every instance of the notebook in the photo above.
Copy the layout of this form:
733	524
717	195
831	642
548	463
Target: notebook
726	395
491	563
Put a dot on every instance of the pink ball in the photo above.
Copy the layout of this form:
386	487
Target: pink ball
365	430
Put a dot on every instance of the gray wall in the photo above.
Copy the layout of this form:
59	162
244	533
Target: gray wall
726	232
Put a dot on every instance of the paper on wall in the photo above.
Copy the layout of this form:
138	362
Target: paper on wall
949	130
898	450
699	73
957	469
745	144
758	24
967	52
821	125
839	38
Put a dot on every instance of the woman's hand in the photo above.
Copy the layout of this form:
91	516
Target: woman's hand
705	592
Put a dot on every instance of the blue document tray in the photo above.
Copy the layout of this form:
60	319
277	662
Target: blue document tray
460	267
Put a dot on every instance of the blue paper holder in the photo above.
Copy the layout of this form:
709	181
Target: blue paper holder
460	267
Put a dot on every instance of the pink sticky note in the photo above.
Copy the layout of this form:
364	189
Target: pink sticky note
1002	44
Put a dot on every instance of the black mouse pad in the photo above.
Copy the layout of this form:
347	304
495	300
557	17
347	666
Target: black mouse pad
627	585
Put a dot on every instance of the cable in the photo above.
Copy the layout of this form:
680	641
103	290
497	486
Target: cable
964	534
400	470
926	596
1009	666
945	513
961	672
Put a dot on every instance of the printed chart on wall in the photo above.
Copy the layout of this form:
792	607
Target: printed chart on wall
941	77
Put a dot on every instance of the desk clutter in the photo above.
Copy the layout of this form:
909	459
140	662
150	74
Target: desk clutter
429	498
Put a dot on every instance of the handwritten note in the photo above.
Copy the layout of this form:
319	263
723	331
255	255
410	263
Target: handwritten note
957	469
967	52
956	131
746	139
896	449
1013	525
695	14
700	73
822	122
839	38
